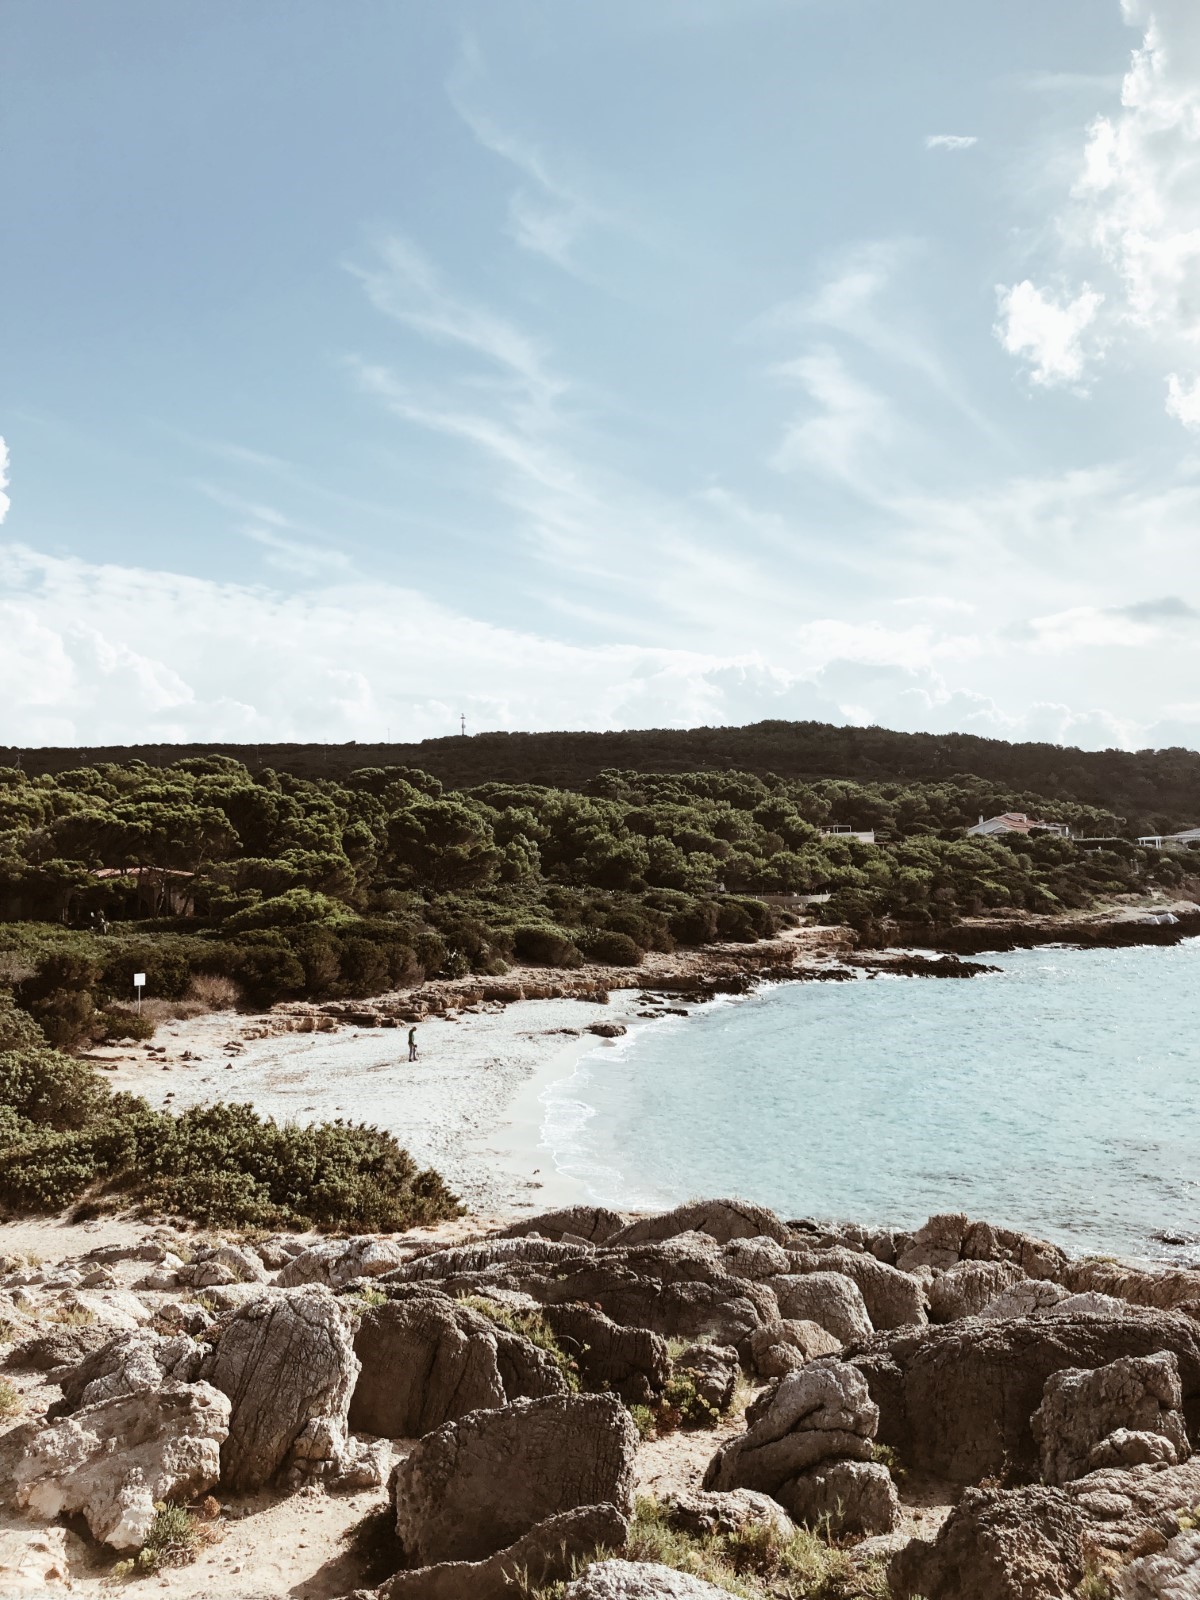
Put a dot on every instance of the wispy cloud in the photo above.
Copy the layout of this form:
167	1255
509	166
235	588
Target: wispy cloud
950	141
4	500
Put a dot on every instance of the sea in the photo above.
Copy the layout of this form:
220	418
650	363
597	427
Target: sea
1059	1094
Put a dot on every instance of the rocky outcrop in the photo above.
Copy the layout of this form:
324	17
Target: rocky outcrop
782	1346
893	1299
427	1360
722	1220
956	1401
1171	1574
631	1362
965	1288
338	1262
132	1363
475	1258
640	1580
475	1486
830	1299
845	1497
821	1413
1168	1289
997	1546
113	1461
287	1363
596	1224
1025	1297
756	1259
713	1369
701	1512
1117	1415
544	1555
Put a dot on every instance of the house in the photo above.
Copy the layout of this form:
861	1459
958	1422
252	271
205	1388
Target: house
1188	839
1016	822
842	830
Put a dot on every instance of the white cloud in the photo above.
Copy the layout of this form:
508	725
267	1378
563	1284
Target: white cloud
4	500
1048	332
1183	401
950	141
851	416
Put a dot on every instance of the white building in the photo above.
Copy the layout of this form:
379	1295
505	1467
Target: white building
1189	839
1016	822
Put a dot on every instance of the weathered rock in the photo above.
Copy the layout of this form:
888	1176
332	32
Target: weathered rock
965	1288
782	1346
639	1580
132	1363
474	1486
846	1497
1171	1574
206	1275
996	1545
713	1368
544	1555
1091	1419
337	1262
1090	1302
955	1401
938	1243
701	1511
118	1310
427	1360
722	1220
632	1362
287	1363
38	1561
1025	1297
245	1264
1170	1289
473	1258
113	1461
278	1250
62	1348
756	1258
595	1223
1036	1257
830	1299
822	1412
893	1299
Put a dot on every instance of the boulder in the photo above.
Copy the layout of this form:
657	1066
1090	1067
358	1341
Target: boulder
640	1580
955	1401
546	1554
713	1369
476	1485
996	1545
111	1462
965	1288
38	1561
1024	1297
132	1363
822	1412
632	1362
245	1264
701	1512
893	1299
426	1360
722	1220
287	1363
1038	1258
474	1258
1171	1574
782	1346
937	1244
597	1224
1170	1289
338	1262
1116	1415
844	1497
830	1299
756	1258
64	1347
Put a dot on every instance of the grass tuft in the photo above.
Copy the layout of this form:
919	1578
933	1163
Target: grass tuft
531	1325
10	1399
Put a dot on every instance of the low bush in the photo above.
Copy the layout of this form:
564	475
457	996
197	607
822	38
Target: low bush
534	1327
546	946
611	949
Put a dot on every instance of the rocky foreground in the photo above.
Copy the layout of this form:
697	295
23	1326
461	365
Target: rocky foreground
961	1413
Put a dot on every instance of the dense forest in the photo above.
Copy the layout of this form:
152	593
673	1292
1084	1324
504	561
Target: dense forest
1151	790
231	884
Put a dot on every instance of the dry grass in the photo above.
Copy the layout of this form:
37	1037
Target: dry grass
10	1399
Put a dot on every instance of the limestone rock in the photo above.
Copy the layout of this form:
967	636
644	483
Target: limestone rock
1091	1419
113	1461
38	1561
722	1220
1170	1288
701	1511
1172	1574
893	1299
595	1223
474	1486
847	1497
822	1412
633	1362
132	1363
782	1346
338	1262
1023	1298
964	1289
62	1348
470	1258
426	1360
830	1299
544	1555
640	1580
756	1258
996	1546
937	1244
245	1264
287	1363
713	1368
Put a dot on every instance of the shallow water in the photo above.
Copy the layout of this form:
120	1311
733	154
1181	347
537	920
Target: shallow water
1061	1095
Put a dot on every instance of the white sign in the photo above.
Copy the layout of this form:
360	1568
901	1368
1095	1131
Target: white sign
139	980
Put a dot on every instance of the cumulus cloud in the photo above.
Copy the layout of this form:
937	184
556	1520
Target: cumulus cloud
1183	401
1048	332
950	141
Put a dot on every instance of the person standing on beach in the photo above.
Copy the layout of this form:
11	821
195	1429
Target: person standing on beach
412	1044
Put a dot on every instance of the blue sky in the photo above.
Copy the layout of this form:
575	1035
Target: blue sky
655	363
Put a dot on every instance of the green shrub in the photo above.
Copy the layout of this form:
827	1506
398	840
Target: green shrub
612	949
121	1023
293	909
10	1399
546	946
533	1326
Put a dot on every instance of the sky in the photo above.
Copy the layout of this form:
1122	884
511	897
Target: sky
641	363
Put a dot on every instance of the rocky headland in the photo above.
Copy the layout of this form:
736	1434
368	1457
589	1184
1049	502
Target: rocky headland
597	1406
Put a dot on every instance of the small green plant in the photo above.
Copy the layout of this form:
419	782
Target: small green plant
10	1399
72	1316
173	1539
1096	1583
643	1421
1188	1518
533	1326
7	1329
368	1295
886	1455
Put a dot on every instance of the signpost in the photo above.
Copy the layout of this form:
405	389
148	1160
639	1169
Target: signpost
139	983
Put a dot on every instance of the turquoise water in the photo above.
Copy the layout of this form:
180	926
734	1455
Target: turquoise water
1061	1095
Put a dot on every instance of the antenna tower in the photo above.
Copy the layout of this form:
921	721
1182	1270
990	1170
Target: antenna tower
462	723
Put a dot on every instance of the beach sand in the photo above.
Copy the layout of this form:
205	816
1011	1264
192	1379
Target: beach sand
470	1105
